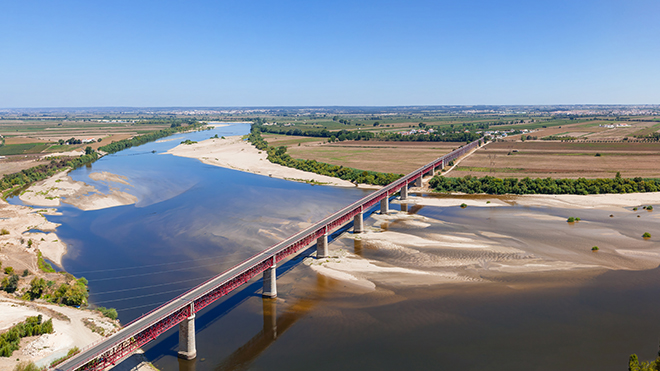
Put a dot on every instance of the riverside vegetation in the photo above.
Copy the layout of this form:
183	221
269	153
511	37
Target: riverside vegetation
32	326
581	186
278	155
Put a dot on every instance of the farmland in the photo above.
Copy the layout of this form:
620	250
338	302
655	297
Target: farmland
562	160
387	157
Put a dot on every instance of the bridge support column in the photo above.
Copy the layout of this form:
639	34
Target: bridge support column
187	349
404	192
384	206
270	282
432	171
418	182
358	223
322	246
442	164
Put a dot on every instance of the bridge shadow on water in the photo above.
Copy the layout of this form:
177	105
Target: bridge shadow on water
244	355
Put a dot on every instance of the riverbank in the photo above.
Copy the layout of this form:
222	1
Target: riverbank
235	153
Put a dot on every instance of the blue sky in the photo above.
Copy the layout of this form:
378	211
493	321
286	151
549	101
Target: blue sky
296	53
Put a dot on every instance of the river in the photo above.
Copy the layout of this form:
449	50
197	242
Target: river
194	220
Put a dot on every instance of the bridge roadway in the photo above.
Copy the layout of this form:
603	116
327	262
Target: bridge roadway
148	327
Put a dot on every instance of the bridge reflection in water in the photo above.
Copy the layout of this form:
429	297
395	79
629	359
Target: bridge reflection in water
273	326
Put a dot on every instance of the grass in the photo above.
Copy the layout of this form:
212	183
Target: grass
22	149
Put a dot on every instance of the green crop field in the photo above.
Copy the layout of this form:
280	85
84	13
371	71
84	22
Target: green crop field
21	149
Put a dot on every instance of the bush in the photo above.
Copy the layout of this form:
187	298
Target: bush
28	366
108	312
595	248
646	235
3	232
649	208
571	220
43	266
634	209
26	273
463	205
9	270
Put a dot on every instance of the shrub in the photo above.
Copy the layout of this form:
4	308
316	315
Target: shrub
649	208
463	205
43	266
3	232
595	248
597	154
571	219
646	235
28	366
634	209
108	312
26	273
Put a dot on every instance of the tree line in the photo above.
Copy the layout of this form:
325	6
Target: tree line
146	138
342	135
580	186
278	155
36	173
32	326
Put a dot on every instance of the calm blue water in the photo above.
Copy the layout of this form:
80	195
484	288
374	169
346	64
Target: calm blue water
192	221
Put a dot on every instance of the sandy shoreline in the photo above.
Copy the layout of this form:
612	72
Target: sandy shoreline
235	153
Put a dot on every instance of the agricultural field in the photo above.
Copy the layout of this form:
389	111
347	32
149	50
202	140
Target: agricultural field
26	142
386	157
541	159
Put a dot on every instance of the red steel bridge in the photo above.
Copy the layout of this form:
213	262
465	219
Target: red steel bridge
181	310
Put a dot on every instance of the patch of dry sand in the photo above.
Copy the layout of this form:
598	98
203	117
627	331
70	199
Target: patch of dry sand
235	153
61	188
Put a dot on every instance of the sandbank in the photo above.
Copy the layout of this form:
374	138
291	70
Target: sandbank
61	188
410	249
235	153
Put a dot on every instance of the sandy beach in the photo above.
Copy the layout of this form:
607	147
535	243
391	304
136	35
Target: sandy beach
235	153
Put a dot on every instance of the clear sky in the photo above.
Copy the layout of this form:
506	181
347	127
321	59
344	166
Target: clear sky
296	53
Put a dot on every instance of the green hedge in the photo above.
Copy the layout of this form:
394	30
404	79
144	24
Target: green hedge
581	186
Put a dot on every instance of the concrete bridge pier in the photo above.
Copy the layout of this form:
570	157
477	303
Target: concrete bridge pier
358	223
404	192
432	171
418	182
270	282
384	206
187	348
322	246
